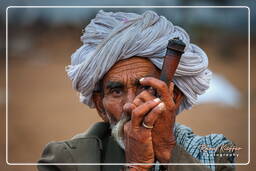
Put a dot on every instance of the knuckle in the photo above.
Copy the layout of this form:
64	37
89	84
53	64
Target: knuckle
136	112
162	85
143	93
157	110
150	104
136	101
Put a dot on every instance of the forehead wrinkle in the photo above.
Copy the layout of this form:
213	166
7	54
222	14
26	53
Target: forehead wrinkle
133	61
141	68
118	76
133	64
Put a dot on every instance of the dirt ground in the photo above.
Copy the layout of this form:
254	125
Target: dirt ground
43	107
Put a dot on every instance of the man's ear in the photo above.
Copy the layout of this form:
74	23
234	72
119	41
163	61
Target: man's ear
178	96
97	99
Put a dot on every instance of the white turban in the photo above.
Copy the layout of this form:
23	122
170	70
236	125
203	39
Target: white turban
111	37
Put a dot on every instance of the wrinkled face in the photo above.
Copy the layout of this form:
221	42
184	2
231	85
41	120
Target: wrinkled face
121	84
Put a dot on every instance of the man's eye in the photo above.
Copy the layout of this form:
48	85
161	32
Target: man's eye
116	91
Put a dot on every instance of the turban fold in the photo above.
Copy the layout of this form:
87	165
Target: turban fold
111	37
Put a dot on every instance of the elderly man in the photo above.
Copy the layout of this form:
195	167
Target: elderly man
117	71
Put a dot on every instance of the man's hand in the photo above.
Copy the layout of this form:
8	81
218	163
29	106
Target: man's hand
162	132
144	145
138	139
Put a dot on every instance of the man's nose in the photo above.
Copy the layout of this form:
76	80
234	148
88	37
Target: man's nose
130	96
129	106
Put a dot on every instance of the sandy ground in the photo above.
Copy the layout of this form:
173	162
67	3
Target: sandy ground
43	107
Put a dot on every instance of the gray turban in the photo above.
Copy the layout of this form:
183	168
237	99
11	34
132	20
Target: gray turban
111	37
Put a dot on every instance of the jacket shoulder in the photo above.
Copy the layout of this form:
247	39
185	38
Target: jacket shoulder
56	152
82	148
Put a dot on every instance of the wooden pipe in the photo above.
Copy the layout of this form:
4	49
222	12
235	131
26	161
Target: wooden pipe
175	49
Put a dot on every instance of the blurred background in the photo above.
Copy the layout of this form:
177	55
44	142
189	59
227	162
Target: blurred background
43	107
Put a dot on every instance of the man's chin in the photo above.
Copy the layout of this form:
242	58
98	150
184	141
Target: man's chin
117	131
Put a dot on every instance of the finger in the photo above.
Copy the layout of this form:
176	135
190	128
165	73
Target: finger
178	100
128	108
144	96
139	112
137	102
159	85
154	114
171	89
172	95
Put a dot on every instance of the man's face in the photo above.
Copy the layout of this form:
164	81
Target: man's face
121	85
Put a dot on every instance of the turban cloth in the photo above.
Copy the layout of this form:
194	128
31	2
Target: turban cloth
111	37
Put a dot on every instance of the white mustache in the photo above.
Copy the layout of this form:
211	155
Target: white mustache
117	130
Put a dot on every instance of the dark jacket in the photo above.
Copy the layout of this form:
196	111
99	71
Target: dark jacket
98	146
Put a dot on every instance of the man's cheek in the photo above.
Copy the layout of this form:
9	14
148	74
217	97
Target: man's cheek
113	108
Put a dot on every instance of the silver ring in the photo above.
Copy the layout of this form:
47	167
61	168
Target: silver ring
146	126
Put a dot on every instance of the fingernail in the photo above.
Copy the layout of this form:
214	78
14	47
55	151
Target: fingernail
141	79
161	106
157	100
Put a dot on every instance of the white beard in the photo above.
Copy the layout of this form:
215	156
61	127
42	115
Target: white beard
117	130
